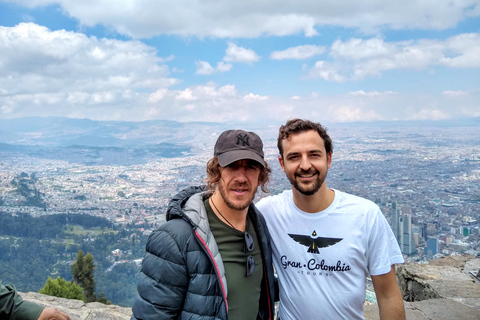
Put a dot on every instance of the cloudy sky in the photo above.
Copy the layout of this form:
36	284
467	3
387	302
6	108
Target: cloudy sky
217	60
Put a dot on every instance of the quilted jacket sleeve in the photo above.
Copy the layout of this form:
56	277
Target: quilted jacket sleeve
164	278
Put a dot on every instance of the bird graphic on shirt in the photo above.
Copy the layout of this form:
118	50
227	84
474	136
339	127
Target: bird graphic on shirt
314	242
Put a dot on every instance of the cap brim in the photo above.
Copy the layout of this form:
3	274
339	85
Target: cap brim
230	157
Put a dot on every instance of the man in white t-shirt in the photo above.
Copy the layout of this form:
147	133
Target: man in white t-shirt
326	242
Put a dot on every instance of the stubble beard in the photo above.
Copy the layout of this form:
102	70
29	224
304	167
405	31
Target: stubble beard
311	188
242	206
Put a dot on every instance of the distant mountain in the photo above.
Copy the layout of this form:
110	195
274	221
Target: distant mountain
64	132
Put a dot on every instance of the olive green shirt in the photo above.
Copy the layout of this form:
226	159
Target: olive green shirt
13	307
243	291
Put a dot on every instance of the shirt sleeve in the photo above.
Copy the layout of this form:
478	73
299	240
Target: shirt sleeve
383	250
13	307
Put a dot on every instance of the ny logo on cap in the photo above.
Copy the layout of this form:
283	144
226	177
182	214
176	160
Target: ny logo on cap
243	139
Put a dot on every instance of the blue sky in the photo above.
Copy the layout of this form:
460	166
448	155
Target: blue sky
330	61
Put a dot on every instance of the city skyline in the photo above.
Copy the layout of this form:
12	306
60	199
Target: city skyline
424	177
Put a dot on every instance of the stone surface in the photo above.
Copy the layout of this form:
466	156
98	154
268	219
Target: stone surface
79	310
436	309
444	278
445	309
443	289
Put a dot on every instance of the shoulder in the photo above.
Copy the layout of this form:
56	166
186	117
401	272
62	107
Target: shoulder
350	200
280	199
172	233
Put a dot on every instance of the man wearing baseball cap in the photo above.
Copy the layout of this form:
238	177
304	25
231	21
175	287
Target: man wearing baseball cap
212	258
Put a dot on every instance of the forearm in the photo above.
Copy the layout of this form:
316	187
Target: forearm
389	297
391	309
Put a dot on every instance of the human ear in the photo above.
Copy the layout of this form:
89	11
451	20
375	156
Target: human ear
280	160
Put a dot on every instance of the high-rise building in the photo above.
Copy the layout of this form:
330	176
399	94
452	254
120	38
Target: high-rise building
425	231
433	247
401	223
407	241
448	240
394	221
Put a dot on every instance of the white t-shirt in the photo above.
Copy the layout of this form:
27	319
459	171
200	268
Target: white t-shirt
322	259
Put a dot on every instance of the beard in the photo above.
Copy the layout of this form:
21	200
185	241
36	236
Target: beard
310	188
230	203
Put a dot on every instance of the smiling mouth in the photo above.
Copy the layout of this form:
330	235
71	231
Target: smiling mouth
307	176
240	191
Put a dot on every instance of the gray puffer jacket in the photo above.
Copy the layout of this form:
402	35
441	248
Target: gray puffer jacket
183	276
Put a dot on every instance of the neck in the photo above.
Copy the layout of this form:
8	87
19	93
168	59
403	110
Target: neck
236	219
317	202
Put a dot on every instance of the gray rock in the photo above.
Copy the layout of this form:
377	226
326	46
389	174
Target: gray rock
443	289
79	310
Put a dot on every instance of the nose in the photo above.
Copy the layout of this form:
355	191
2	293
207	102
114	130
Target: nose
305	164
241	174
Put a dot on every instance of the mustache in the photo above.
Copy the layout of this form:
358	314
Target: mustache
300	172
243	185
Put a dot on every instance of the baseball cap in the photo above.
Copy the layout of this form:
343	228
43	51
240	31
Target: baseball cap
234	145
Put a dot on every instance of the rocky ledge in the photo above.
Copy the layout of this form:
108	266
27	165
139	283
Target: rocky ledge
443	289
79	310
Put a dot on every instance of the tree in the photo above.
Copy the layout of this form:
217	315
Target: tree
82	272
102	299
63	289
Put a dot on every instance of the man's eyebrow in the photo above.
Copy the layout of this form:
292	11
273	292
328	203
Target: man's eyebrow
309	152
292	154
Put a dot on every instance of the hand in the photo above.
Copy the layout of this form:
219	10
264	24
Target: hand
53	314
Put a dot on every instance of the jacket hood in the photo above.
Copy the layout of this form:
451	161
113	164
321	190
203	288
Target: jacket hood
175	205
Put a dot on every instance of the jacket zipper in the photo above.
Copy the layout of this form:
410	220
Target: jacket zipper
217	271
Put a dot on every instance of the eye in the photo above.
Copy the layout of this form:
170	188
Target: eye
233	166
252	166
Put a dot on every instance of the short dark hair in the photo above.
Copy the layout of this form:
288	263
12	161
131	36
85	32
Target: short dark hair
294	126
214	174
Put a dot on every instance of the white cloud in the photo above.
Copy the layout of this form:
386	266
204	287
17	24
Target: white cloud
37	59
326	71
371	93
299	52
254	98
254	18
462	51
186	94
351	114
429	114
205	68
62	70
356	59
223	67
61	73
157	95
456	93
235	53
167	59
357	49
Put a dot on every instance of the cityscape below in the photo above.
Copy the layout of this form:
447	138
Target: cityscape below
424	177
